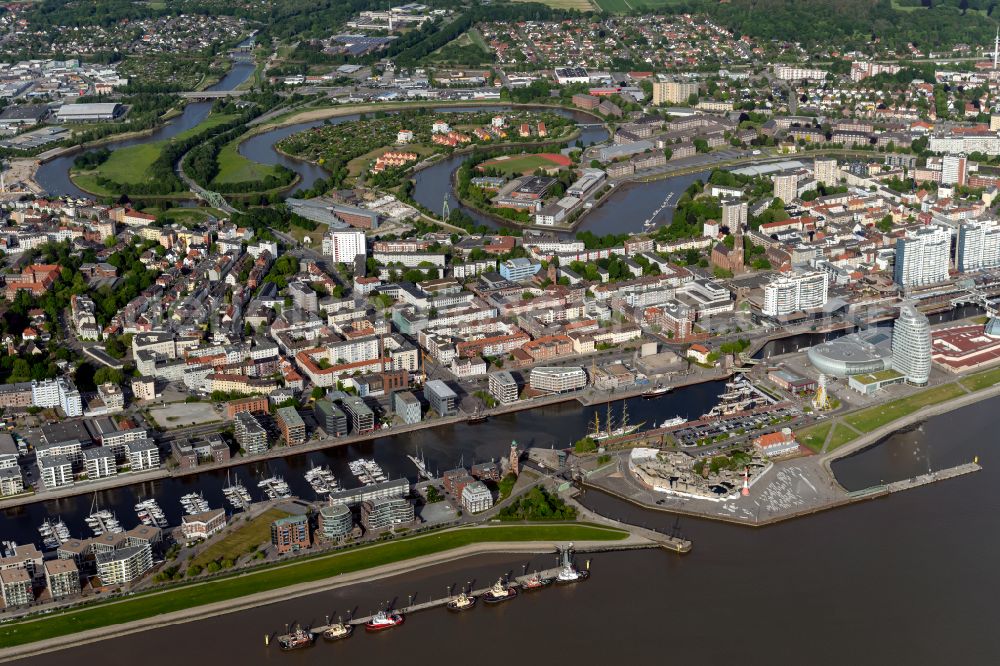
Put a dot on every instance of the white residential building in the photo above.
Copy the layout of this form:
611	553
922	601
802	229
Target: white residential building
476	497
786	187
57	393
122	566
922	257
343	246
557	379
788	293
826	171
978	245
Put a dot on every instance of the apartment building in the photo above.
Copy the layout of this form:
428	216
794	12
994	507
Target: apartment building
293	429
557	379
250	434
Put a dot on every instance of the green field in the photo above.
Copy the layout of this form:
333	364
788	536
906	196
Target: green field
814	436
127	165
242	540
841	435
981	380
874	417
183	215
476	38
522	164
582	5
130	165
234	168
626	6
178	598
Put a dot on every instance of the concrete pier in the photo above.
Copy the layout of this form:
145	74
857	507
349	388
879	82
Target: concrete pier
940	475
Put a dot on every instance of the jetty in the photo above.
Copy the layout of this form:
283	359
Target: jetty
516	581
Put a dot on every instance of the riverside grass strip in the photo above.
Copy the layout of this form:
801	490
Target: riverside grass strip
146	605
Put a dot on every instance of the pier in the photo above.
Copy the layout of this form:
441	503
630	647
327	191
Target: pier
940	475
516	581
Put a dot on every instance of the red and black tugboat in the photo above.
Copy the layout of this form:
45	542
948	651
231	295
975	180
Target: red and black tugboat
383	620
535	582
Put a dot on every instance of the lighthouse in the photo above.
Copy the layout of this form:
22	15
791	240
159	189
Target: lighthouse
746	482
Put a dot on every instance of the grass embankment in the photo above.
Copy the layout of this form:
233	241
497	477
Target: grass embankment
875	417
241	540
187	596
981	380
870	419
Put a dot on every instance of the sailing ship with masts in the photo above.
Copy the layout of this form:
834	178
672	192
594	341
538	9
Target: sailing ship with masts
611	431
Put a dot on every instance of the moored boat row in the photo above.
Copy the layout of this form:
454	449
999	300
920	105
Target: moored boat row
387	618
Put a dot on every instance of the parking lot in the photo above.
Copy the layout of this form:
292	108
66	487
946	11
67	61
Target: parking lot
181	414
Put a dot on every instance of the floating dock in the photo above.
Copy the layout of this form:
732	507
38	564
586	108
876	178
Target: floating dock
516	581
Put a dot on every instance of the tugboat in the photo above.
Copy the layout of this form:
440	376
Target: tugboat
500	592
383	620
338	631
657	391
296	640
569	573
535	582
462	602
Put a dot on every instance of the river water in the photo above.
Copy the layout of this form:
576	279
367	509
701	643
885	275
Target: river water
53	176
443	447
908	578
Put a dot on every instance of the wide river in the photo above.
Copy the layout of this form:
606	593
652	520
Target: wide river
909	579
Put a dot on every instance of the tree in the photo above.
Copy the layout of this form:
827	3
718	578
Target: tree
107	375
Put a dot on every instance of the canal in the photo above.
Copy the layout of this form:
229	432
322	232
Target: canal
443	447
909	578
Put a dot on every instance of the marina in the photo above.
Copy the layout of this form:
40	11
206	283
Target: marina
53	533
274	487
557	425
367	471
194	503
237	495
103	522
150	513
322	480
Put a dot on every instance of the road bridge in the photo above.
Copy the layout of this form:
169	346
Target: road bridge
211	94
